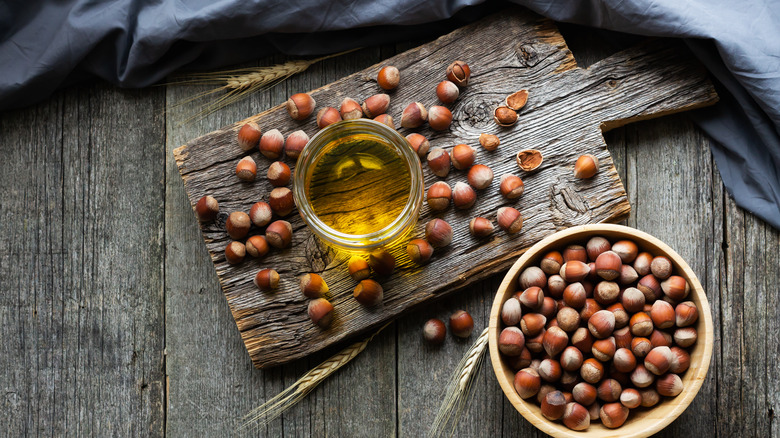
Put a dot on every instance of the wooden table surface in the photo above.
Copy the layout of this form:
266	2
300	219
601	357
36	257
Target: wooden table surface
112	321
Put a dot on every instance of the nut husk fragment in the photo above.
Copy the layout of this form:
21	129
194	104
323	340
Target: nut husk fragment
517	99
529	159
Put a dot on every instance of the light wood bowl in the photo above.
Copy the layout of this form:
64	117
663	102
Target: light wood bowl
641	422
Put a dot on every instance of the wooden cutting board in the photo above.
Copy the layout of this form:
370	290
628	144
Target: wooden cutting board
567	111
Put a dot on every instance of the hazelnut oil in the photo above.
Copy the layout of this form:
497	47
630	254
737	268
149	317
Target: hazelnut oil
359	185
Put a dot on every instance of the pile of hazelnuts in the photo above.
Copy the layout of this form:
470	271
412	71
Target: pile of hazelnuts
597	330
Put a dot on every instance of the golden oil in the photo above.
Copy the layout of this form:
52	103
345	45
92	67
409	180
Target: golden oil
359	185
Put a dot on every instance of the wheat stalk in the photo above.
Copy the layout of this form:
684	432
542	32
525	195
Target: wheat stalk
273	408
459	388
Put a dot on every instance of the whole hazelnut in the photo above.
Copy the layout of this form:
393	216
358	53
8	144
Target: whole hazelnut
509	219
568	319
658	360
642	263
574	271
463	196
207	209
480	176
592	370
256	246
650	287
685	337
414	115
381	261
626	249
321	312
576	417
511	312
551	263
388	77
571	359
235	252
624	360
633	300
669	385
628	275
686	314
438	233
350	109
237	225
613	415
586	166
556	286
623	337
584	393
439	195
512	186
419	143
606	292
439	118
385	119
681	361
376	105
295	144
505	116
675	287
589	309
554	341
419	250
519	362
434	331
527	383
574	295
661	267
459	73
640	347
550	370
575	252
327	116
462	156
609	390
621	316
601	324
630	398
281	201
553	405
650	397
511	341
532	324
489	141
533	298
272	144
662	314
582	339
461	324
439	162
608	265
447	91
246	169
596	246
368	293
300	106
267	279
532	276
480	227
358	268
278	174
260	214
660	339
248	136
604	349
279	234
313	286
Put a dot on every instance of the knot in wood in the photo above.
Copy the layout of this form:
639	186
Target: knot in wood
475	114
527	54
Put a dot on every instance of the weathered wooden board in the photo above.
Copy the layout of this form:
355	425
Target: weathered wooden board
564	118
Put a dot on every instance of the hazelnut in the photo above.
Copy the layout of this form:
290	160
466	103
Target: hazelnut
650	287
381	261
649	397
439	194
630	398
574	295
438	233
527	383
568	319
613	415
595	246
589	309
462	156
300	106
207	209
640	347
419	250
461	324
480	176
592	370
628	275
669	385
327	116
550	370
633	300
571	359
534	343
601	324
517	100
551	262
414	115
248	136
533	298
419	143
480	227
532	276
660	339
295	144
661	267
554	341
246	169
532	325
641	324
608	265
388	77
556	286
662	314
511	312
604	349
582	339
272	144
279	234
267	279
685	337
609	390
624	360
385	119
358	268
675	287
621	316
575	252
606	292
256	246
434	331
489	142
447	92
511	341
505	116
686	314
553	405
260	214
658	360
278	174
642	263
529	159
313	286
576	417
439	118
584	393
235	252
368	293
439	161
623	337
509	219
321	312
237	225
574	271
626	249
376	105
681	360
463	196
586	166
459	73
281	201
641	378
350	109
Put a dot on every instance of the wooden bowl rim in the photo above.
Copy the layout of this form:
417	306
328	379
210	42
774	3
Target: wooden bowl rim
693	381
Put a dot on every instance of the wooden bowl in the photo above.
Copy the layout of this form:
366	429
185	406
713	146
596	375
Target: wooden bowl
641	422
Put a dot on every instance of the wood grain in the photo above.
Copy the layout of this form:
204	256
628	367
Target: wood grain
564	118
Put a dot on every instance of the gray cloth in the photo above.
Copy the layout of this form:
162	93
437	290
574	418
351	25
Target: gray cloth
131	43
